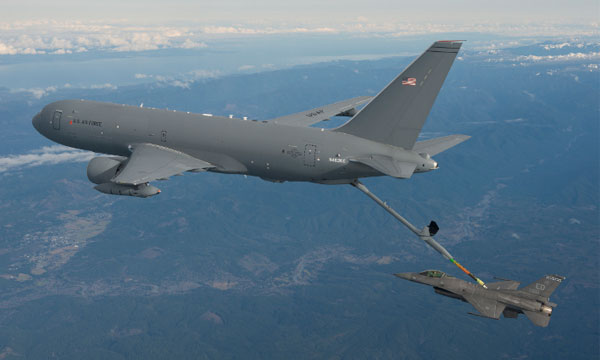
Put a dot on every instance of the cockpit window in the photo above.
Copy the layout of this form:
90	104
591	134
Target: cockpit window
433	273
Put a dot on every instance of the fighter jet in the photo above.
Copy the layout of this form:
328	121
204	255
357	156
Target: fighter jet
147	144
501	297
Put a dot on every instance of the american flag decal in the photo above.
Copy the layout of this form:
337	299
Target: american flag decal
409	81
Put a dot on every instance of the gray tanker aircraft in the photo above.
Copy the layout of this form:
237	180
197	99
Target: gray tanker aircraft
152	144
502	297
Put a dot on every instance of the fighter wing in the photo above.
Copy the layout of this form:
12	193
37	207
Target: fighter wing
150	162
313	116
486	307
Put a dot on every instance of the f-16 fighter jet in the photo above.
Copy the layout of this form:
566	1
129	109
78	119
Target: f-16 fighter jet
501	297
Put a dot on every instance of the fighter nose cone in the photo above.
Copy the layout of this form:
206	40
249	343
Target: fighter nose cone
36	121
405	276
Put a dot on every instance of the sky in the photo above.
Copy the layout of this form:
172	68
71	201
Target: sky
31	27
315	12
49	44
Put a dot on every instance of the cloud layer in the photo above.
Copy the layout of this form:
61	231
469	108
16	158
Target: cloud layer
48	155
59	38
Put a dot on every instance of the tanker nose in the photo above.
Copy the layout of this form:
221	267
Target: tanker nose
36	121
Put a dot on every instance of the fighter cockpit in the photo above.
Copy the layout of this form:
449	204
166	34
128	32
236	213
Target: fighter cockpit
433	273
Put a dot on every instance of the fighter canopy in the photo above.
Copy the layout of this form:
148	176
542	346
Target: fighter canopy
434	273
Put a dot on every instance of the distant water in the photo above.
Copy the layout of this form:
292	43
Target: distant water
220	57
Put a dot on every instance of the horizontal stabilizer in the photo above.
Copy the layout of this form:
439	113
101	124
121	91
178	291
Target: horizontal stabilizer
313	116
388	166
537	318
438	145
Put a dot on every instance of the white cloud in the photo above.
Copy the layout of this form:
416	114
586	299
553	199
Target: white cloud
58	38
61	52
562	45
181	84
7	49
37	93
191	44
184	80
48	155
567	57
104	86
525	60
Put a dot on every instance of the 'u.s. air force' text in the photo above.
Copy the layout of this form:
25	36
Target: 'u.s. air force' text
86	122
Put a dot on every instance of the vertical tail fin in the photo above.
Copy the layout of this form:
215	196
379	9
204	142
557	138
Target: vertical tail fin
544	286
397	114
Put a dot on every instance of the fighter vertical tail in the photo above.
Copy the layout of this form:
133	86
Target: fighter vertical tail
544	286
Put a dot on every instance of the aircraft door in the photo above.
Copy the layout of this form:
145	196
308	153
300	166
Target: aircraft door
56	119
310	155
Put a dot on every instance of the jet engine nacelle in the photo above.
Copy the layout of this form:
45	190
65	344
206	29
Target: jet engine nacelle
102	169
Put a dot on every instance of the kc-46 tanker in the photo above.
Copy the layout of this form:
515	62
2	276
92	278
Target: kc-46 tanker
148	144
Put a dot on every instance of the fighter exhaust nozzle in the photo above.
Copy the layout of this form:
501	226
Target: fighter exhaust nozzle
546	310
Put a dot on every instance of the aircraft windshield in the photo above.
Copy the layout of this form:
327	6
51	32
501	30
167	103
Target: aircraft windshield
433	273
